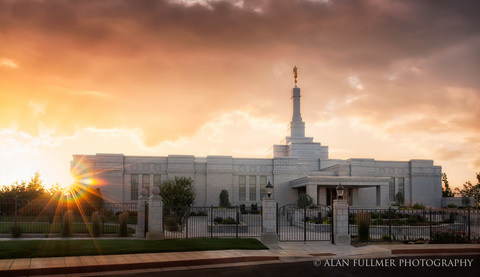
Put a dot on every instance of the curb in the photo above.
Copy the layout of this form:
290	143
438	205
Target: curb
435	251
132	266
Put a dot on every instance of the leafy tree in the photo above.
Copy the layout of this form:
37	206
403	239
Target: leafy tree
304	200
178	192
223	198
469	190
446	191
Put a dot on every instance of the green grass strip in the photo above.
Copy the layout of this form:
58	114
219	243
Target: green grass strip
64	248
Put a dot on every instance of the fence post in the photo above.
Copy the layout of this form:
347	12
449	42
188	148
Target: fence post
155	216
237	218
468	218
340	222
186	222
269	221
16	205
304	223
390	223
211	221
430	217
141	215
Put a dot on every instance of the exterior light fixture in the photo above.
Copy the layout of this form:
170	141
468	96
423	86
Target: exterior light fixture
269	189
340	190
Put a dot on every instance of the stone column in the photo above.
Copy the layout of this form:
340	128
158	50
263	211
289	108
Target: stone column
269	219
142	200
340	222
155	216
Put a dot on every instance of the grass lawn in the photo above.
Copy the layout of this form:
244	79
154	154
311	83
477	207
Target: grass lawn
58	248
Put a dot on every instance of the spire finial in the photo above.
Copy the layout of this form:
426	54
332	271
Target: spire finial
295	75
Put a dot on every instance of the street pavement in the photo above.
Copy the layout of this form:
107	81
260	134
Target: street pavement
283	252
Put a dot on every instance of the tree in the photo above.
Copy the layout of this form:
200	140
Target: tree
178	192
446	191
470	190
304	200
223	199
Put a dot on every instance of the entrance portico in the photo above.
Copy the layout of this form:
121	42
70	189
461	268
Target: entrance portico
322	189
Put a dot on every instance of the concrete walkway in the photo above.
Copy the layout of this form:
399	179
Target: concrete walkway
284	252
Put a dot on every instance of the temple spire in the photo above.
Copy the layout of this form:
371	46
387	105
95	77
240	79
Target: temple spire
297	126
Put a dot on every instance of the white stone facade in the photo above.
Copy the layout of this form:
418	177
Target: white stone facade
299	166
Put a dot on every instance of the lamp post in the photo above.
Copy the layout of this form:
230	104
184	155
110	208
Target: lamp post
269	189
340	190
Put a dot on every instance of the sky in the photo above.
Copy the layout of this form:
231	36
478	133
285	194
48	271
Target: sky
389	80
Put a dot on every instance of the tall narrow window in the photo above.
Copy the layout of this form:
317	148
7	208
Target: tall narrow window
157	180
401	187
134	187
146	182
391	190
242	181
263	183
252	186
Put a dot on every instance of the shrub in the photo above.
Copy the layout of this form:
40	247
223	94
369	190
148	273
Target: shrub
171	224
304	200
67	224
96	224
223	198
363	222
386	238
16	230
229	220
399	199
418	206
217	219
123	224
447	236
452	206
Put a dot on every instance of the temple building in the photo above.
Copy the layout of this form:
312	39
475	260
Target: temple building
298	166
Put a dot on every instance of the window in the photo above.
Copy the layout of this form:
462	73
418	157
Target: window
242	180
157	180
391	190
134	187
252	188
263	183
146	182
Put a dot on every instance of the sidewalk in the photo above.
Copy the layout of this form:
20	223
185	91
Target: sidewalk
284	252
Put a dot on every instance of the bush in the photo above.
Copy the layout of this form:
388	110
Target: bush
96	224
418	206
16	230
223	197
363	222
304	200
447	236
452	206
67	224
229	220
217	219
123	224
171	224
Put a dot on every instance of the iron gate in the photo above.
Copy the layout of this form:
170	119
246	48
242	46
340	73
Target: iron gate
312	223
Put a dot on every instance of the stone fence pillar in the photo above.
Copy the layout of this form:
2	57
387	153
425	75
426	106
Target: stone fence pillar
142	200
155	216
340	222
269	219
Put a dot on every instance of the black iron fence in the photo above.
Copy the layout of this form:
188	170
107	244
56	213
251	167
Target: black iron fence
209	222
49	216
434	225
312	223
